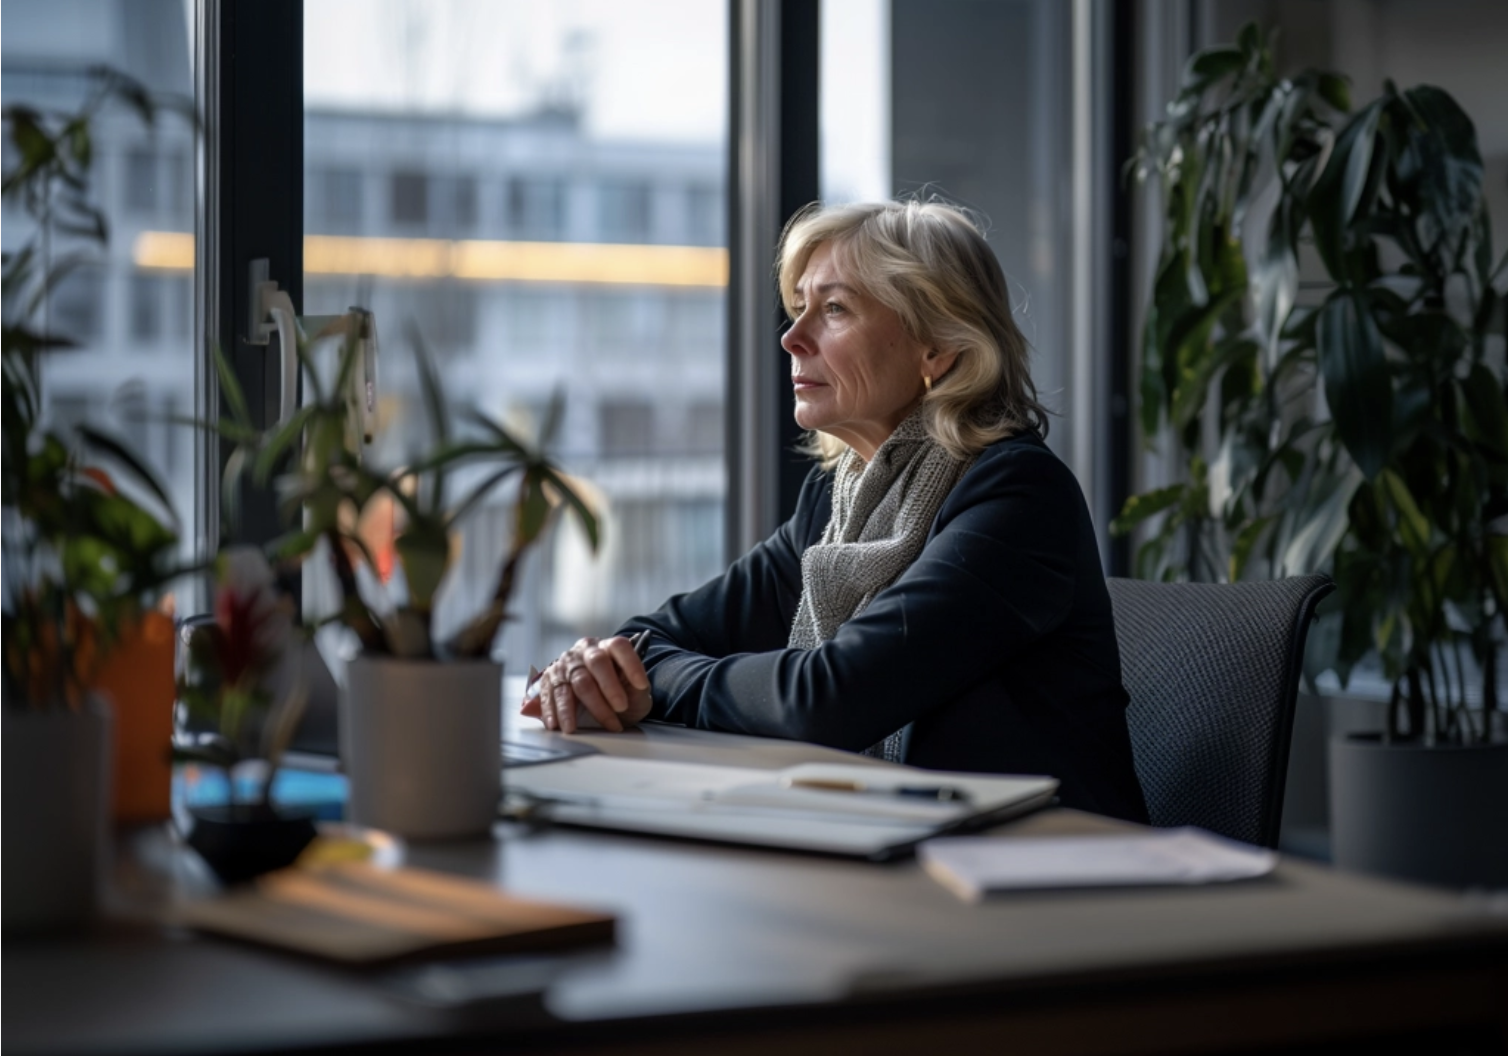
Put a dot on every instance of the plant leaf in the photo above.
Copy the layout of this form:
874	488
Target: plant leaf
1318	528
1357	385
139	471
585	515
1338	191
1140	507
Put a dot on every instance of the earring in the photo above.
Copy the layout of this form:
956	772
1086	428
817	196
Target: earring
927	381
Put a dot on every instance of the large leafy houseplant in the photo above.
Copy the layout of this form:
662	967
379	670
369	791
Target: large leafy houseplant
90	542
90	534
1353	422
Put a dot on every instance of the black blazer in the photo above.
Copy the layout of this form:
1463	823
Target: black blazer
995	650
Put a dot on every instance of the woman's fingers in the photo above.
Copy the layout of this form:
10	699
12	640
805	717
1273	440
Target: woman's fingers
600	661
560	704
628	664
592	695
607	678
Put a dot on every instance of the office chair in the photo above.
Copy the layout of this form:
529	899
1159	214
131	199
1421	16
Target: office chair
1213	673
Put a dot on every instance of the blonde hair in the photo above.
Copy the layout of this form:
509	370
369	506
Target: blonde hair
928	263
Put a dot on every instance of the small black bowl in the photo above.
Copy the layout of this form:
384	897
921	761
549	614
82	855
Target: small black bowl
246	840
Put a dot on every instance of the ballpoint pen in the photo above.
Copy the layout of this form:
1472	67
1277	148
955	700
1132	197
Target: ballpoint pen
937	792
532	687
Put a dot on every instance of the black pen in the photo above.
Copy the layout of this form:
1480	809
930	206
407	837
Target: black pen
941	793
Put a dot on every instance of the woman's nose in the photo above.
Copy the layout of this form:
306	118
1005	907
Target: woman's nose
794	340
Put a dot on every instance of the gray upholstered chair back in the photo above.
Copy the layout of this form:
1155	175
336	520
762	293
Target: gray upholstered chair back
1213	672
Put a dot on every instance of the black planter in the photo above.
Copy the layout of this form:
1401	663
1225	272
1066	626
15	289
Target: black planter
1436	813
245	841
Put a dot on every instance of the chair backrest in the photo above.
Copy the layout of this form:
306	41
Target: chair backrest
1213	672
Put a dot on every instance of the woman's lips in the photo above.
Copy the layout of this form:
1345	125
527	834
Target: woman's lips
806	383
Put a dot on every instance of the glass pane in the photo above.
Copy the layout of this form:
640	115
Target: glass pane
538	189
128	304
968	100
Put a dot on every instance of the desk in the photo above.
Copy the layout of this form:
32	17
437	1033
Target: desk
749	951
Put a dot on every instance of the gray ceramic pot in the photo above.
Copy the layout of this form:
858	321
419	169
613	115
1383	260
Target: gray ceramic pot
1435	813
421	742
56	816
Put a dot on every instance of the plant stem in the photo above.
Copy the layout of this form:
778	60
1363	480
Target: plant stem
1415	703
1460	704
1489	686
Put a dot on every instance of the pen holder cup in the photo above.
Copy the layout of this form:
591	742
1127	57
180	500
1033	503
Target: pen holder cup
420	742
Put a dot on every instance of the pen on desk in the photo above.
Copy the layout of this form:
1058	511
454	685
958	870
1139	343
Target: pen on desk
532	688
938	792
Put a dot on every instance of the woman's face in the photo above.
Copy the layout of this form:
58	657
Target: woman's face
856	371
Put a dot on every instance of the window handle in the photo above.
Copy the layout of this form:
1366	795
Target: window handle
273	313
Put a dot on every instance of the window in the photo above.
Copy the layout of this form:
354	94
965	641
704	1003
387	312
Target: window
705	209
464	156
696	325
180	313
136	356
463	202
536	208
625	427
78	305
536	318
338	194
623	211
409	198
146	307
141	181
180	197
704	428
446	314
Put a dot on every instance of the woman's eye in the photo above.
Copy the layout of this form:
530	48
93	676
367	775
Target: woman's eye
833	308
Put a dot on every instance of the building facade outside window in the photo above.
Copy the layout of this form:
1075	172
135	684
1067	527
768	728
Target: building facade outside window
130	315
625	325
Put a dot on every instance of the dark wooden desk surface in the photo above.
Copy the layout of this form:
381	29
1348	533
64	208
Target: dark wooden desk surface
755	949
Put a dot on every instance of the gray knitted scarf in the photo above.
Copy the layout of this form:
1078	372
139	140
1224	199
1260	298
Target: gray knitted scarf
881	514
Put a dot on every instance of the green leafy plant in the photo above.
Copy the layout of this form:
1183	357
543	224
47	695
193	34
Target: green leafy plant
90	534
325	485
1356	423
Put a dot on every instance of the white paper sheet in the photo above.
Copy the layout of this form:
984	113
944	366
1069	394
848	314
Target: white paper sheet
973	866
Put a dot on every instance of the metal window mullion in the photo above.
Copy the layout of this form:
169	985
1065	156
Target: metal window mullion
754	225
206	280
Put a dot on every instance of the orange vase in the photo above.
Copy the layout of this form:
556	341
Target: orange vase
138	679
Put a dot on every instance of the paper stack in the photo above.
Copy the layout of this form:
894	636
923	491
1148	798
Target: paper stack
973	866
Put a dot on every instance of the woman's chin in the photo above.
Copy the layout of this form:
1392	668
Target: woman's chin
810	417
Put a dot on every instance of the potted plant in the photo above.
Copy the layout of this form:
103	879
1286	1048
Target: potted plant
225	681
1360	420
420	723
90	541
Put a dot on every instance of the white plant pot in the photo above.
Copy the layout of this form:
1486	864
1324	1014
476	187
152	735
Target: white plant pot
1433	813
421	742
56	786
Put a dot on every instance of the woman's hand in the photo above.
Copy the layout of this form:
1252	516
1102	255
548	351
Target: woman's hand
604	676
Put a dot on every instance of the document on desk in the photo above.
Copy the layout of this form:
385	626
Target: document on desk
852	810
972	867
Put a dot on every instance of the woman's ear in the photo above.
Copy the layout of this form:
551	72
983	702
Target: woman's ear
938	363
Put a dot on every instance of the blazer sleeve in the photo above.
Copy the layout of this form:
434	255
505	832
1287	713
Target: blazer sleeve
748	609
996	576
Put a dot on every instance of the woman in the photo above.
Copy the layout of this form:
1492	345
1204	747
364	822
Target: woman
937	599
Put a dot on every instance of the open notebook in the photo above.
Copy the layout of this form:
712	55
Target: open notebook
851	810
